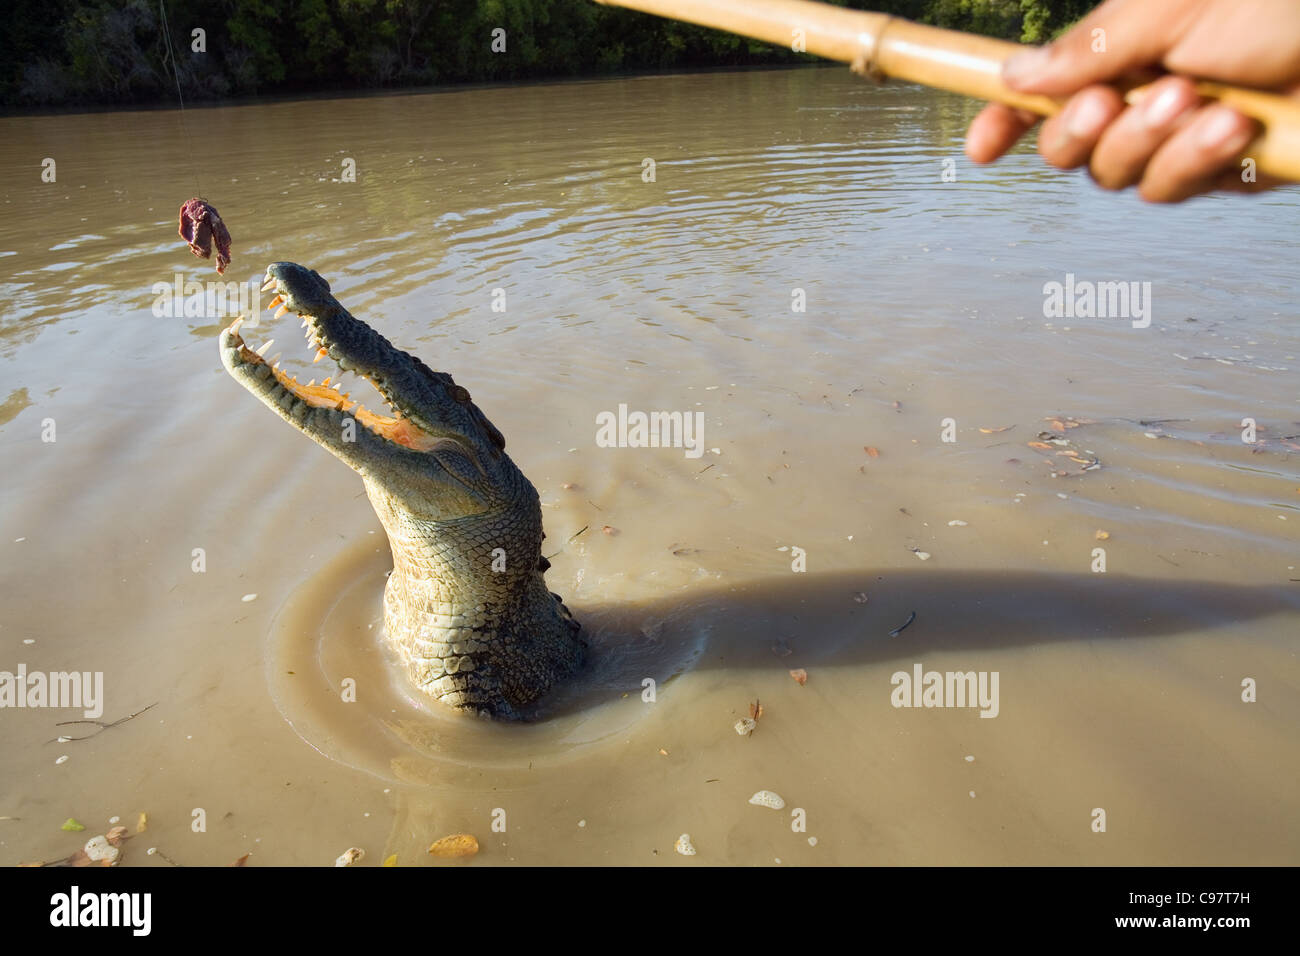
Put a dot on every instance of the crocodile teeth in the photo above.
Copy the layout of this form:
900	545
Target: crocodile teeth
262	351
319	355
276	301
268	284
281	311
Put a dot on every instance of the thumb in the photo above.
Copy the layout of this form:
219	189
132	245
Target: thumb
1119	37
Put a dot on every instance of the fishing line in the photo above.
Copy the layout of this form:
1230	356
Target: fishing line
185	129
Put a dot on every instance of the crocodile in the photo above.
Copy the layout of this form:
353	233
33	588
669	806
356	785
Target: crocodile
466	606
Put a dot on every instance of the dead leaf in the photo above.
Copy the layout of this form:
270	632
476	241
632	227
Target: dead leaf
663	752
569	486
1057	426
1041	446
755	710
457	845
116	835
800	676
1102	535
72	826
391	860
872	451
609	530
242	860
998	430
143	823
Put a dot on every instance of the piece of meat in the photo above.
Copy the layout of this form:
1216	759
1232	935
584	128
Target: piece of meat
201	226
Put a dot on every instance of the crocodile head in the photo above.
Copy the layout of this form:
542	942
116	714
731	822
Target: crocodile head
466	606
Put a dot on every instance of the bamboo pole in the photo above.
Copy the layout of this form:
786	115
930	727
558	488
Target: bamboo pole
880	45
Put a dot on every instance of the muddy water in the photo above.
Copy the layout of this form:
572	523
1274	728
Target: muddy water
129	542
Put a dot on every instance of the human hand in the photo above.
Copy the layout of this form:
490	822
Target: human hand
1171	144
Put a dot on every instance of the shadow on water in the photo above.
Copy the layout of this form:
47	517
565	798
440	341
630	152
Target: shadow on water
769	624
799	621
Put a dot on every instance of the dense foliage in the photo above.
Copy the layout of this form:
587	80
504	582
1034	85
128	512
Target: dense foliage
117	51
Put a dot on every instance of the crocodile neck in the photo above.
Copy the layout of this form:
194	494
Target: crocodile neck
467	609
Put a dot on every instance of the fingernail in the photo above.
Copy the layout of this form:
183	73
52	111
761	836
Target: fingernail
1223	130
1086	118
1160	110
1024	67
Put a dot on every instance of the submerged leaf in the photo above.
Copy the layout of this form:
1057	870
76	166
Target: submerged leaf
457	845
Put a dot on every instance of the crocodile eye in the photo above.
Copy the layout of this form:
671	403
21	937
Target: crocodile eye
460	394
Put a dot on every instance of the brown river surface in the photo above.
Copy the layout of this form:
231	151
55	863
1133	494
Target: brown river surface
146	494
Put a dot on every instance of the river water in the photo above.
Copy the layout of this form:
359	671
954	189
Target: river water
859	315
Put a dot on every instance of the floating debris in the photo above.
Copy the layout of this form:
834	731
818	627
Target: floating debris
780	648
923	555
684	845
457	845
745	726
143	823
350	856
99	850
812	841
766	798
1102	535
800	676
956	523
871	451
72	825
995	431
898	630
63	759
391	860
861	597
248	597
609	529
